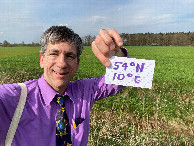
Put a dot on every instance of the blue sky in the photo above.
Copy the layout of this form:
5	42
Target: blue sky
26	20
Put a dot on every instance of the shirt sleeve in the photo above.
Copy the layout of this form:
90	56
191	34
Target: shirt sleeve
94	89
100	88
104	90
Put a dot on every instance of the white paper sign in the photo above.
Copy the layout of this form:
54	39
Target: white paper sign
130	72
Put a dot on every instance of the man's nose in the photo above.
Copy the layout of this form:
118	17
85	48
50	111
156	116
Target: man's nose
62	62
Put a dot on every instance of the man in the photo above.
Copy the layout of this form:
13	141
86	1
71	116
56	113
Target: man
46	120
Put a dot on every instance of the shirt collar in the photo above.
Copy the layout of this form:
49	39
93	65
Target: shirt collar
48	93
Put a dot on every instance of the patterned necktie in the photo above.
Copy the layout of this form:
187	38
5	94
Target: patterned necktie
63	133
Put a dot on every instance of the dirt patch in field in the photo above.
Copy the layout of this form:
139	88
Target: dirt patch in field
6	79
147	129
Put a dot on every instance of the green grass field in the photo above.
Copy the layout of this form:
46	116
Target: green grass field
163	115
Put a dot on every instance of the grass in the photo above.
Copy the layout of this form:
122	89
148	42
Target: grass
161	116
14	51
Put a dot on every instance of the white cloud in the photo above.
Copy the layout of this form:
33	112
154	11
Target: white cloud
120	9
1	33
63	25
97	19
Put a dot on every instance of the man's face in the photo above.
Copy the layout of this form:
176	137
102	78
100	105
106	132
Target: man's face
60	64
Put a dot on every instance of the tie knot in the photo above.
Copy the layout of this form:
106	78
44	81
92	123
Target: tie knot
60	99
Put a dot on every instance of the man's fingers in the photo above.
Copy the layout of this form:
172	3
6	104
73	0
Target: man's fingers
107	39
102	47
104	60
111	38
115	35
106	45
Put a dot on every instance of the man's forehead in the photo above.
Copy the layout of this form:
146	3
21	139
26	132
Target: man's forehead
58	47
60	42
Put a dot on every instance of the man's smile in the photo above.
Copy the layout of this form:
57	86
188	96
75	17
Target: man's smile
60	74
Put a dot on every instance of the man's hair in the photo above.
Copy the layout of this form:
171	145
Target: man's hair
57	34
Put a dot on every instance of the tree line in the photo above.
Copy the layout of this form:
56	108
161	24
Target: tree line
5	43
138	39
152	39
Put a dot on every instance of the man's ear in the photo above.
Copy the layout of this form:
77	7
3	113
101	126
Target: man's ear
41	61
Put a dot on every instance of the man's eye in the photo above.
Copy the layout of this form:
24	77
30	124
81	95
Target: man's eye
53	54
71	56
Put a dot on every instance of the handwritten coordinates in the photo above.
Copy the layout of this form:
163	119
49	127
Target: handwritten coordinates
125	66
130	72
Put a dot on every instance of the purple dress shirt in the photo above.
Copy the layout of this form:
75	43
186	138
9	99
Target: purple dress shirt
37	125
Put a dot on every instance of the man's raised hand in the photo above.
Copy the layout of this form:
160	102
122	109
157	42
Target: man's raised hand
106	45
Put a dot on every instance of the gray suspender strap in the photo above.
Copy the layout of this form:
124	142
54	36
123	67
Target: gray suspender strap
17	115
